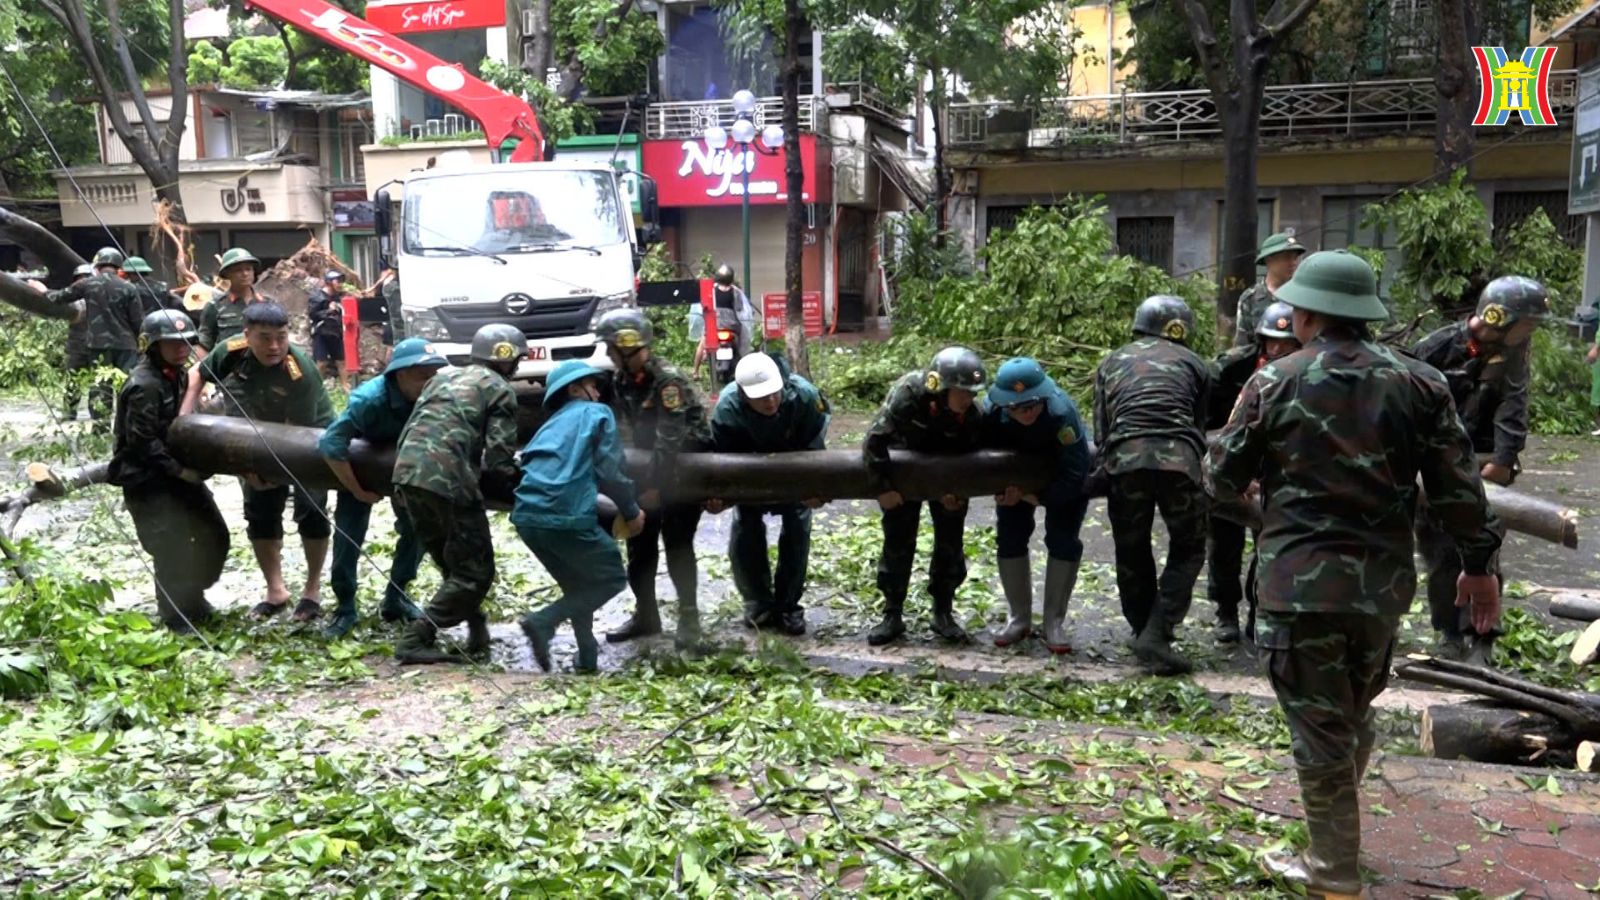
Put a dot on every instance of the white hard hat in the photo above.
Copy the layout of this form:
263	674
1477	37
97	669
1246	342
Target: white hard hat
758	376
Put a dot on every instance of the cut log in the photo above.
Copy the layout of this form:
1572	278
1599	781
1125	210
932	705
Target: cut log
1586	649
1483	732
1528	514
1588	756
1582	606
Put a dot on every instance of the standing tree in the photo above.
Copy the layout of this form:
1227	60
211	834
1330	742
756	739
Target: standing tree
794	331
1237	81
153	143
1456	86
40	84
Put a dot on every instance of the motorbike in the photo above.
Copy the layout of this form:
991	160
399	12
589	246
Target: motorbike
727	355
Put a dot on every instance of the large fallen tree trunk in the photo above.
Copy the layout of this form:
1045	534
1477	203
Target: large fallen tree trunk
234	446
1483	732
1580	606
1522	722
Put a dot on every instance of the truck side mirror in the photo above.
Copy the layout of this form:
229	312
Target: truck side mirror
649	212
383	224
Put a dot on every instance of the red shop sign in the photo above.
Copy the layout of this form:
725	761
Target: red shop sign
775	313
437	15
687	173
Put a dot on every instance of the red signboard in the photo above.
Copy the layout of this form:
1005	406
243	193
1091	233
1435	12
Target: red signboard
688	173
775	313
437	15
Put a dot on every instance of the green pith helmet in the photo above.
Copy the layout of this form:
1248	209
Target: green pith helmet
136	265
956	367
1282	242
1164	316
1277	321
625	329
413	352
236	255
1335	283
1510	299
166	325
107	256
1019	380
498	343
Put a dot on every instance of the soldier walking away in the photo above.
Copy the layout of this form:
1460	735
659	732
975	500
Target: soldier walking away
1025	411
77	352
173	513
377	413
326	312
1225	542
462	431
575	456
662	412
1485	360
153	292
1337	434
112	317
1280	253
261	377
928	411
1149	421
769	410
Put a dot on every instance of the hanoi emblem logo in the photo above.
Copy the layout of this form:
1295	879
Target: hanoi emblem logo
1520	86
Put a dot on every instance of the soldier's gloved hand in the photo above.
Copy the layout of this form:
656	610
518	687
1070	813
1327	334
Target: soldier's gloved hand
951	502
889	500
1482	592
1496	473
636	525
192	476
715	506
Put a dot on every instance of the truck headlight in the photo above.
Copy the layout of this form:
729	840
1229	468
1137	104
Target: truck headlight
425	324
607	304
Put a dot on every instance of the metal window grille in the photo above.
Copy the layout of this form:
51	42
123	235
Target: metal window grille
1147	239
1511	207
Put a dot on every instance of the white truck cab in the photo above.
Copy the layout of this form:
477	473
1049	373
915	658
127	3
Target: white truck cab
546	247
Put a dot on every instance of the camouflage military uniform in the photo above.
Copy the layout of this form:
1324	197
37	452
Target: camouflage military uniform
177	521
77	359
392	301
110	329
1252	303
289	393
1225	541
464	426
661	411
223	320
1149	415
915	417
1337	434
1490	389
153	294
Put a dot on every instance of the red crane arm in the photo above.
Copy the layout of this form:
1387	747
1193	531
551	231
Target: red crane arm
502	115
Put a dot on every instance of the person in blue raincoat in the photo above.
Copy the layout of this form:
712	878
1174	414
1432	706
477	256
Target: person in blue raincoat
1025	411
575	456
376	413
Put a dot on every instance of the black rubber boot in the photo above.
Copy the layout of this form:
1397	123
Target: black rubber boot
419	645
945	624
890	628
1153	647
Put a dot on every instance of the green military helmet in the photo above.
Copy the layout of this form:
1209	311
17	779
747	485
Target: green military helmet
625	329
1164	316
956	367
107	256
724	275
236	255
1510	299
136	265
166	325
1282	242
83	271
1018	381
1335	283
1277	321
413	352
499	343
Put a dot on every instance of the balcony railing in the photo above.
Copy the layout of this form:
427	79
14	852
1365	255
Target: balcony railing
1347	110
691	118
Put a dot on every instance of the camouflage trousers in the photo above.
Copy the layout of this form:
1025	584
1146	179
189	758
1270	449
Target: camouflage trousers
948	568
457	537
1326	669
1131	504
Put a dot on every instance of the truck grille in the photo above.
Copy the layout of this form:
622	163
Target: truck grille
565	317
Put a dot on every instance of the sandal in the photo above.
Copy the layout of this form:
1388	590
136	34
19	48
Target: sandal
307	610
266	609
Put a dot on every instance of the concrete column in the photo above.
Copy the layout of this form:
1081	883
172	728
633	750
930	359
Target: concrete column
385	103
1591	260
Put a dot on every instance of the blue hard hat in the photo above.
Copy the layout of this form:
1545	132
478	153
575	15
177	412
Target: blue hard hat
414	352
1019	380
566	373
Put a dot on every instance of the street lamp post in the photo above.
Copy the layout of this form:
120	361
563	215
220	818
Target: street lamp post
743	134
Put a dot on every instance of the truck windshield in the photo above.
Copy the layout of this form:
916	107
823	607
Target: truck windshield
512	212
